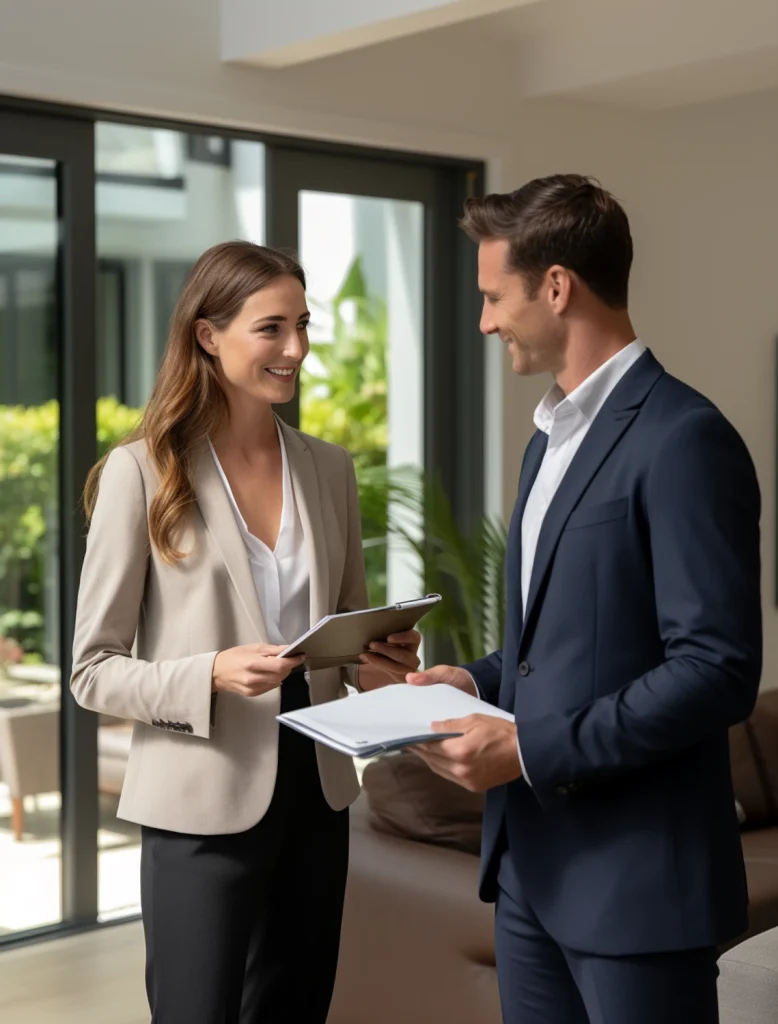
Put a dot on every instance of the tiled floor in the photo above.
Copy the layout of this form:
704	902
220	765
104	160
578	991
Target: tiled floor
96	978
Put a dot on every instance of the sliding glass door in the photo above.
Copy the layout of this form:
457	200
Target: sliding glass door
101	220
47	762
163	196
394	375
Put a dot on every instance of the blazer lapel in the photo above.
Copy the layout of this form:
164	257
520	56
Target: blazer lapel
305	484
609	425
214	504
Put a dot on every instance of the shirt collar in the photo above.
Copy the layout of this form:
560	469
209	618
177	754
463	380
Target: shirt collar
558	414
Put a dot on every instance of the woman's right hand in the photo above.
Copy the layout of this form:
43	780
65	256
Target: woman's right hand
251	670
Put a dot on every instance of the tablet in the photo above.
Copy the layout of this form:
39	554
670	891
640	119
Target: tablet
341	639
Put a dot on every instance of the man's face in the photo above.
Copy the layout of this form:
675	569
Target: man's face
530	327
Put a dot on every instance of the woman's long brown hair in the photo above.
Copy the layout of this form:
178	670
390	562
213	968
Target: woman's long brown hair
188	404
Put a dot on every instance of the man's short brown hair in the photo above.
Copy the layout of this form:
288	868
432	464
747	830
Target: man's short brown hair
565	219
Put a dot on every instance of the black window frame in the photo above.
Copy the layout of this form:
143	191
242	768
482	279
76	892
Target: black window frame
10	265
68	141
119	269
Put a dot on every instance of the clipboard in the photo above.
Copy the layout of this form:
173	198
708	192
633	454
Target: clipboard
387	719
340	639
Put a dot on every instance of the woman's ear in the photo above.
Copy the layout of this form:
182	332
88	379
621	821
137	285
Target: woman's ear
205	337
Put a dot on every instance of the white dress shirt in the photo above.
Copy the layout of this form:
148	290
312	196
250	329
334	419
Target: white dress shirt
281	576
566	419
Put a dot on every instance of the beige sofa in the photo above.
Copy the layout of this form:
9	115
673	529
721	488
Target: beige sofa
29	753
748	983
418	944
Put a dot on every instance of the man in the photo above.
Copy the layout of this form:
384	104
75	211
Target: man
633	642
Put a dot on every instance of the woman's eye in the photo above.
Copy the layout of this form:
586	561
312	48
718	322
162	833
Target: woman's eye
269	329
304	325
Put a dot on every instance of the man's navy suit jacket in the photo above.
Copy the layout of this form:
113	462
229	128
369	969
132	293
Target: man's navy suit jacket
640	646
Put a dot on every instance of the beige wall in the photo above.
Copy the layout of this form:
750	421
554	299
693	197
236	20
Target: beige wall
163	57
700	187
699	183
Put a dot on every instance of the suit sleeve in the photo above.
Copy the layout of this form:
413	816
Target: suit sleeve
353	595
106	678
486	674
703	506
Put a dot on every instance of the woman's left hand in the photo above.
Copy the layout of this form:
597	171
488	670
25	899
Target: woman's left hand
390	661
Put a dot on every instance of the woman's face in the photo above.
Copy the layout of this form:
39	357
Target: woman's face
259	354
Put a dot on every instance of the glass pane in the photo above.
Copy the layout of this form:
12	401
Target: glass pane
163	197
363	383
30	846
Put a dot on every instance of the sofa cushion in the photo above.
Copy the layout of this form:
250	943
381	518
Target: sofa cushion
753	747
748	981
407	799
760	851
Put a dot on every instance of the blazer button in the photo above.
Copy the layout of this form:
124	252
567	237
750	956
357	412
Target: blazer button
524	668
562	790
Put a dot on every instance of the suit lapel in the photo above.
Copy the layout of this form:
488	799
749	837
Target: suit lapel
219	517
609	425
305	484
533	459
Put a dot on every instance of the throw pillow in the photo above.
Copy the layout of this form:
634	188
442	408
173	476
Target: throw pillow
407	799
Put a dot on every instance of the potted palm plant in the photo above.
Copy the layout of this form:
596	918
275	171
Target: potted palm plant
467	567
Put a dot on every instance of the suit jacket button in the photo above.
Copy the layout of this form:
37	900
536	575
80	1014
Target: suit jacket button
524	669
562	790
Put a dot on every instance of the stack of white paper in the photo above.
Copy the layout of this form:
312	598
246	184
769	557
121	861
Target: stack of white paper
387	719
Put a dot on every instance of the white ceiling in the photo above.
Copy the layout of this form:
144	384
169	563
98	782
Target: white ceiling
648	53
652	54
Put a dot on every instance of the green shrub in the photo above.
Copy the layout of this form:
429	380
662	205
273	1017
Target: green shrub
28	509
345	403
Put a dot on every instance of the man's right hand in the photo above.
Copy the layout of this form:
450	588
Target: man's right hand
449	674
252	670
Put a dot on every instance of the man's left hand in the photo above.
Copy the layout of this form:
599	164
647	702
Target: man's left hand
485	756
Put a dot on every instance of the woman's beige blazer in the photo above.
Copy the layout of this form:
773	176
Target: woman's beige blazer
147	634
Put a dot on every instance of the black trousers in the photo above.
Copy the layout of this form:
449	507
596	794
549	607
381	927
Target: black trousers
245	928
543	983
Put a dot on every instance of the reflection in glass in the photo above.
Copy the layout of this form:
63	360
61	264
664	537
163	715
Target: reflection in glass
30	846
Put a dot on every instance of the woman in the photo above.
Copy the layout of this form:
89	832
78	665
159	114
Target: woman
218	535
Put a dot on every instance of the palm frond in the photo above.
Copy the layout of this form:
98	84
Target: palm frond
466	568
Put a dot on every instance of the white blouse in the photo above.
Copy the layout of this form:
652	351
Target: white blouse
281	576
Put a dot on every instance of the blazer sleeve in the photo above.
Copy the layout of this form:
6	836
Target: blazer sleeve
353	589
173	694
703	506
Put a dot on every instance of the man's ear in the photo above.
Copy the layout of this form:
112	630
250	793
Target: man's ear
205	337
560	287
